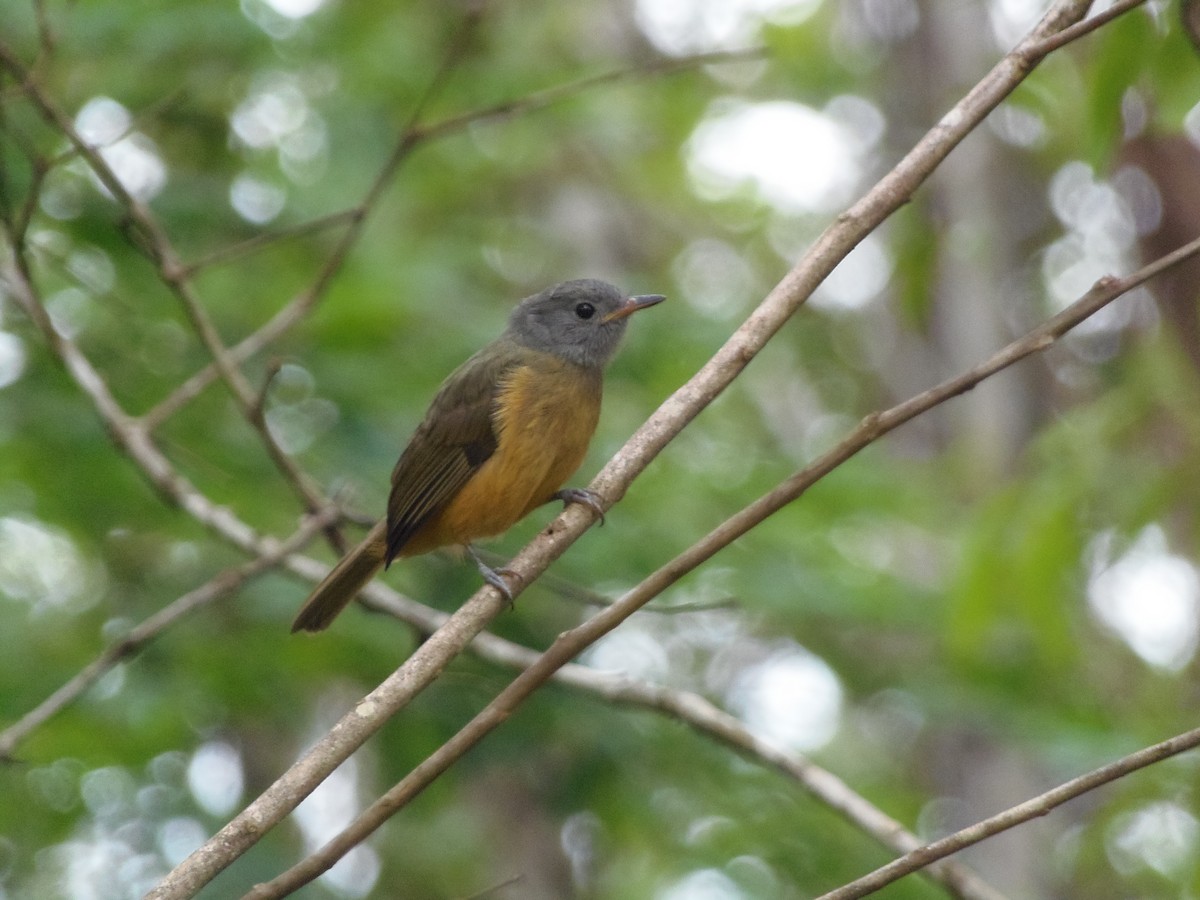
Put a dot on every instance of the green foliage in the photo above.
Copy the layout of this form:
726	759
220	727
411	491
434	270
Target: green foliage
943	575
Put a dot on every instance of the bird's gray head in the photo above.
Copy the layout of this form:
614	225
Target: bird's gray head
581	321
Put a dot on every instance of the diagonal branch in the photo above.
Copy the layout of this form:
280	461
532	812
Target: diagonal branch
225	255
1088	25
571	643
220	586
370	714
699	714
1030	809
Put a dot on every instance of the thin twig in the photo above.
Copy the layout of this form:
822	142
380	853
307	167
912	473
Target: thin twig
251	245
574	592
1087	26
1030	809
46	38
220	586
539	100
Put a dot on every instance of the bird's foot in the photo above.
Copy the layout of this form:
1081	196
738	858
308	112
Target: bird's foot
590	499
496	577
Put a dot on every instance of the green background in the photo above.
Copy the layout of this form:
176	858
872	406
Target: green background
943	576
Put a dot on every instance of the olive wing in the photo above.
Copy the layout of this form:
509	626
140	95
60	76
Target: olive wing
457	436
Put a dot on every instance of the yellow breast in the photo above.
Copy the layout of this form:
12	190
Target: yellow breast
544	419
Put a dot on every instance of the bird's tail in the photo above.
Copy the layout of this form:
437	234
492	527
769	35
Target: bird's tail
343	582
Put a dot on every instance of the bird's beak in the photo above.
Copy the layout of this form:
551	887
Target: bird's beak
632	305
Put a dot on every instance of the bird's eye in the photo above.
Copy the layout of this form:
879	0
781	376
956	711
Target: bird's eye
585	310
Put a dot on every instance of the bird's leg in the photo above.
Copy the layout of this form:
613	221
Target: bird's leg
588	498
495	577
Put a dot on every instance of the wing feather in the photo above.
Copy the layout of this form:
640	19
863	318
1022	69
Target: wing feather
457	436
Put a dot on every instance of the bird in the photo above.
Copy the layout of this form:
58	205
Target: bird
504	432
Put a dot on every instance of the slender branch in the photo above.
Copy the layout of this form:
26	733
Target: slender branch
269	808
217	588
574	592
251	245
697	713
1030	809
571	643
46	38
1087	26
539	100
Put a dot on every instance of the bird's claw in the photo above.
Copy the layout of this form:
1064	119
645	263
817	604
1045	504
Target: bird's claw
496	577
590	499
